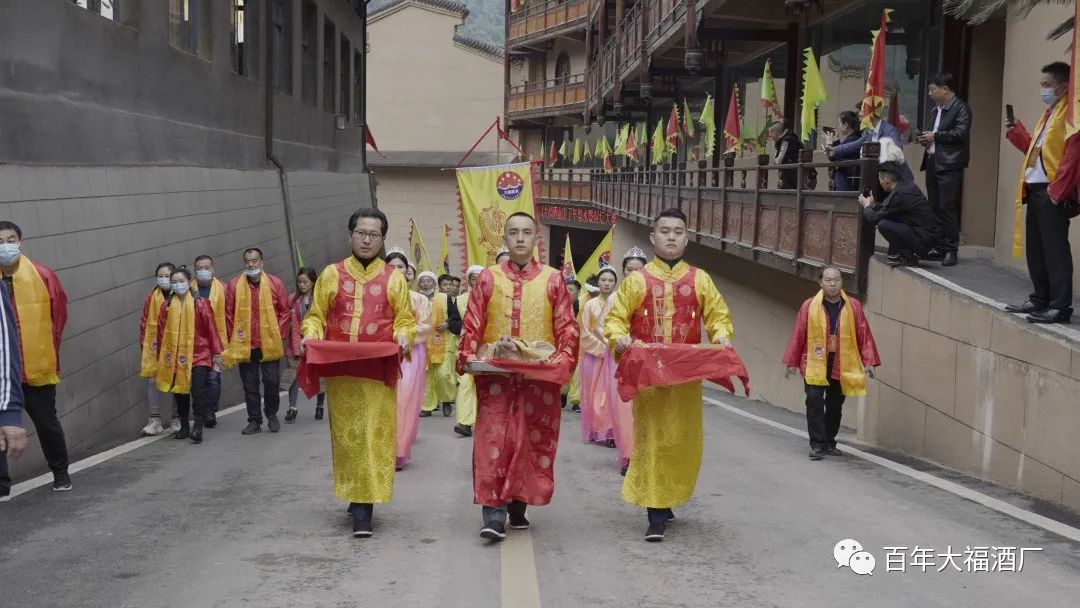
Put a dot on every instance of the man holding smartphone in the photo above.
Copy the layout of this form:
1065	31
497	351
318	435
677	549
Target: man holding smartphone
947	152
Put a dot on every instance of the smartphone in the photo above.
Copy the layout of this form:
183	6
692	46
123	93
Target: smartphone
866	191
1010	116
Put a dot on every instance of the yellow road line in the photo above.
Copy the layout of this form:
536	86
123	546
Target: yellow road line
519	587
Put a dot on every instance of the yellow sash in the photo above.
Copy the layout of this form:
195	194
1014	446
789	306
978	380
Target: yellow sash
149	342
217	302
436	346
34	308
177	347
1051	153
239	349
852	375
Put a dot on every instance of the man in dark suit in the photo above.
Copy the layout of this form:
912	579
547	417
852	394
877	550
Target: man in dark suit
947	152
904	218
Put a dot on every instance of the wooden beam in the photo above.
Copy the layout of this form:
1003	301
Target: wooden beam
744	34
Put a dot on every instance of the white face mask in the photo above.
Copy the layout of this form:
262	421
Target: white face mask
9	252
253	272
164	283
204	275
180	287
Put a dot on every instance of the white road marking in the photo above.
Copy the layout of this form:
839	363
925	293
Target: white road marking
1000	506
520	587
89	461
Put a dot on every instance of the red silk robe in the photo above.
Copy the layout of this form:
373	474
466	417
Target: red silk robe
517	420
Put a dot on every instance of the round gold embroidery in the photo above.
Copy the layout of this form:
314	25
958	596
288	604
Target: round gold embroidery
495	390
345	323
371	329
534	436
548	399
375	290
658	290
684	290
348	286
529	409
494	453
544	462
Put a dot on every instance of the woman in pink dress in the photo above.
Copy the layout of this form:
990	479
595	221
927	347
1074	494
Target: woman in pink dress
597	423
410	388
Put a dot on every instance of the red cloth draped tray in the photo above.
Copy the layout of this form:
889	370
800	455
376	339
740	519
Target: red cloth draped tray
647	365
379	361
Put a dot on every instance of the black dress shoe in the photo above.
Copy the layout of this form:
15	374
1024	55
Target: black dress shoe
290	415
934	255
447	408
251	428
901	261
211	420
493	530
424	413
655	533
318	413
196	430
273	424
833	451
183	433
1025	308
463	429
1050	315
950	259
817	454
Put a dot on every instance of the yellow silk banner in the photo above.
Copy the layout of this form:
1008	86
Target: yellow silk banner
489	195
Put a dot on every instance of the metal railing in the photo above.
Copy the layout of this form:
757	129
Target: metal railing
538	97
540	18
739	207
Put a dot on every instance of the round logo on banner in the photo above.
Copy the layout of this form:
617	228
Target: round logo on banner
605	259
509	185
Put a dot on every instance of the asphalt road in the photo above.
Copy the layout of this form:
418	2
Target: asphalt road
251	521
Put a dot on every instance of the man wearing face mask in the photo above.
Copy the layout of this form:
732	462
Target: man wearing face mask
41	313
440	387
1049	259
209	288
256	316
944	161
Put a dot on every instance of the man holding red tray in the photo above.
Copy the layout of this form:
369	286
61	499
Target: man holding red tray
666	302
517	421
361	299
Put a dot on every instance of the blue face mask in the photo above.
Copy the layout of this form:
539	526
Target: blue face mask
180	288
1048	96
204	275
164	283
9	252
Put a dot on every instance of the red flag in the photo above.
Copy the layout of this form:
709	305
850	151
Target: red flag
731	123
651	365
631	146
874	96
553	156
895	117
673	128
369	139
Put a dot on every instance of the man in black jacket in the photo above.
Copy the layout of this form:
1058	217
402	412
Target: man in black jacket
947	152
904	218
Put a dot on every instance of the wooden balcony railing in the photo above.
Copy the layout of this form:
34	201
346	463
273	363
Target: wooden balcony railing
551	96
738	208
536	19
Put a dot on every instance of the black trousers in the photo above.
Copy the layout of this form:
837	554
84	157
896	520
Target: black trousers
271	384
203	380
824	408
902	239
943	192
213	388
1049	257
40	405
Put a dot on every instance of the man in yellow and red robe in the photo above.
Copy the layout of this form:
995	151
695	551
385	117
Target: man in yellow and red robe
256	317
832	347
208	287
40	306
440	384
362	299
667	301
517	422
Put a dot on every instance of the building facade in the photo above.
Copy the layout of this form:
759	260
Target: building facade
962	383
141	132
